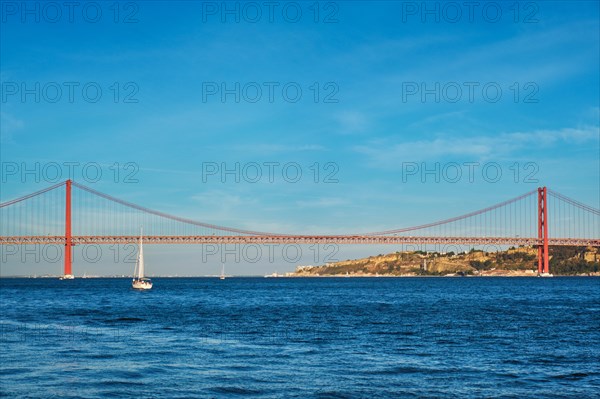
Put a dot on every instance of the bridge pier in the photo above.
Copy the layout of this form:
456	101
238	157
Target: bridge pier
543	265
68	238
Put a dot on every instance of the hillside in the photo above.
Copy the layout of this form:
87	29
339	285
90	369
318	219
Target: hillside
512	262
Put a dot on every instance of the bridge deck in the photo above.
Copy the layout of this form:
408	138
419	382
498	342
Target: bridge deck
293	239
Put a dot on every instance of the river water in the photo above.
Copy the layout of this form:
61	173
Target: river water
303	338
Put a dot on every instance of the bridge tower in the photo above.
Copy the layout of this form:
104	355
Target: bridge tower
543	266
68	240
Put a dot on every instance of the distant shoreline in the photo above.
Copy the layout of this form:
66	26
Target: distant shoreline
312	276
512	262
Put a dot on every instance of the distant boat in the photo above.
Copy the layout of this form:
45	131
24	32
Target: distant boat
67	277
222	276
139	281
272	275
545	275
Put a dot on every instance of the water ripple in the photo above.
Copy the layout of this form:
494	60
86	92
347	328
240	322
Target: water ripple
301	338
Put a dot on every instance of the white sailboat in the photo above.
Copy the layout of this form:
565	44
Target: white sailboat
139	281
222	276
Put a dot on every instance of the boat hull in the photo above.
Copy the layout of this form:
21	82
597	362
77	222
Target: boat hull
141	284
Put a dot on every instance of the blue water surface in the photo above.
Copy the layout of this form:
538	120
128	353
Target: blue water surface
301	338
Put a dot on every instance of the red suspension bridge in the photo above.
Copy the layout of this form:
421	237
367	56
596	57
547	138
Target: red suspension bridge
69	214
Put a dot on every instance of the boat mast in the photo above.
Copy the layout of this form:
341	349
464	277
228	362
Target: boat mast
141	258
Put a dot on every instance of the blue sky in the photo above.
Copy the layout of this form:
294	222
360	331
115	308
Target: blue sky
367	58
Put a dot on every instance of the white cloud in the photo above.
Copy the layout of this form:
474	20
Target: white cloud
323	202
9	125
386	154
221	197
270	148
351	122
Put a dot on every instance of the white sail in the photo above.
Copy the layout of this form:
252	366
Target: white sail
135	268
139	282
141	260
